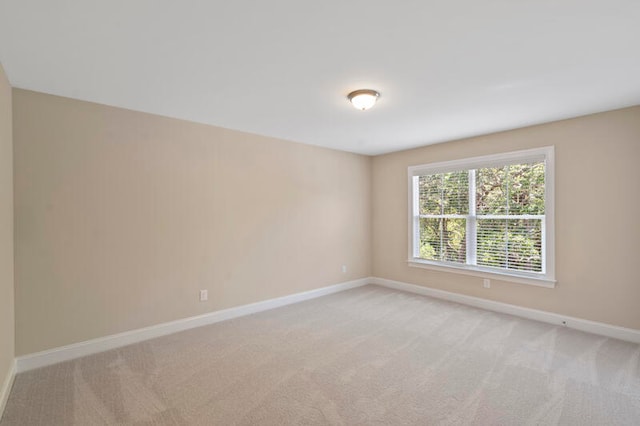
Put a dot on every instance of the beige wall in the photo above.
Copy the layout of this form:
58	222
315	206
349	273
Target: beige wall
597	217
6	233
121	217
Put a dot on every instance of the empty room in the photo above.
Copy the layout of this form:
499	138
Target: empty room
319	213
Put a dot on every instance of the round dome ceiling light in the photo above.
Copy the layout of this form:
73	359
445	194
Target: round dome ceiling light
363	99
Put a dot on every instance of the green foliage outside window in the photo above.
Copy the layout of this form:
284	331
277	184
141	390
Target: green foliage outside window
444	194
512	243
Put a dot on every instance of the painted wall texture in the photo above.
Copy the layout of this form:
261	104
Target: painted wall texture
6	233
122	217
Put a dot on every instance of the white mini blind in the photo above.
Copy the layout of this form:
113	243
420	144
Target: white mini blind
510	214
444	193
490	214
443	239
443	206
514	244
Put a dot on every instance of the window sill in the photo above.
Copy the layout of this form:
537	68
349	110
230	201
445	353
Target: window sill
470	270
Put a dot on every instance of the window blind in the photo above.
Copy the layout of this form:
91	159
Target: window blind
489	215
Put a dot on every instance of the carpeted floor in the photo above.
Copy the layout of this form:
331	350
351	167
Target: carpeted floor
368	356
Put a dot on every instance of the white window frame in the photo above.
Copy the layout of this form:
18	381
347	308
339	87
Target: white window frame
542	279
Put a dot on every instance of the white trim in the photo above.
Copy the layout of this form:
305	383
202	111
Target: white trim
6	387
474	271
491	160
612	331
472	225
548	225
76	350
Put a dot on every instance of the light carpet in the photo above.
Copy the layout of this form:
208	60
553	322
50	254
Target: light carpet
367	356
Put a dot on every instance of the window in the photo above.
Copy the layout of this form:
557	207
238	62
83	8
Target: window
485	216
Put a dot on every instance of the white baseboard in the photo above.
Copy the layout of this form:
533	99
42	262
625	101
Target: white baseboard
622	333
6	387
76	350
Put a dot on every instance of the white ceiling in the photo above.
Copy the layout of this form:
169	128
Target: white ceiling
282	68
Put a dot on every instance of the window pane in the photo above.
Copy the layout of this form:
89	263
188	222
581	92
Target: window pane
444	193
443	239
526	188
455	193
512	244
515	189
430	194
492	248
491	190
525	244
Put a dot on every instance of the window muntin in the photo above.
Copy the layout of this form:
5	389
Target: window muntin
486	214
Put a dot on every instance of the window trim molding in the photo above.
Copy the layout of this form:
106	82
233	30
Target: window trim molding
482	273
542	280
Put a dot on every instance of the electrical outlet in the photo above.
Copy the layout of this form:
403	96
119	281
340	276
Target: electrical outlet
486	283
204	295
344	269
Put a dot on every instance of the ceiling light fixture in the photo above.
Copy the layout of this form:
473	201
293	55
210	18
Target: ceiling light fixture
363	99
